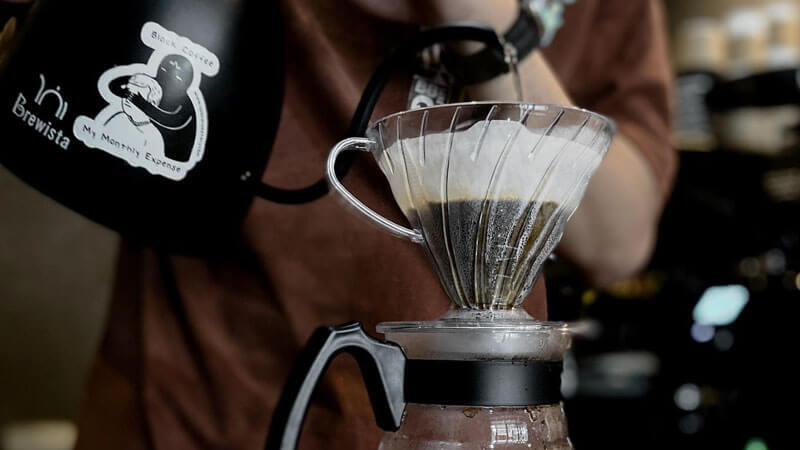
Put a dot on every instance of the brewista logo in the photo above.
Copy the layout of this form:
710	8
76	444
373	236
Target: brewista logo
51	107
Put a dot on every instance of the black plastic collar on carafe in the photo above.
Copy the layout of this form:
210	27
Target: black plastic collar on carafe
491	383
402	56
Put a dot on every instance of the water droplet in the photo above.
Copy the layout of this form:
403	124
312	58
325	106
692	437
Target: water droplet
512	60
470	412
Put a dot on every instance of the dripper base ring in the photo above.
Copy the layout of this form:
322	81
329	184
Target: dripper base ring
464	335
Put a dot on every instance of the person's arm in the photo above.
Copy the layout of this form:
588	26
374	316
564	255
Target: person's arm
612	234
119	87
170	119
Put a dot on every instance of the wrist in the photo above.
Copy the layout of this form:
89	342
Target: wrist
497	14
520	40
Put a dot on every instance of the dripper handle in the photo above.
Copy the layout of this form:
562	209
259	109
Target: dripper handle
382	365
363	144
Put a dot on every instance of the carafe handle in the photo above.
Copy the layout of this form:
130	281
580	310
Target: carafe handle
363	144
382	365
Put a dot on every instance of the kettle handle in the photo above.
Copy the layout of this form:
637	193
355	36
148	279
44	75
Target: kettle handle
382	365
400	57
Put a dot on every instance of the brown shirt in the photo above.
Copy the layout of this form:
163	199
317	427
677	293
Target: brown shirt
197	350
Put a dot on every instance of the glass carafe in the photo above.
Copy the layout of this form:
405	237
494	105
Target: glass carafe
470	380
509	338
472	428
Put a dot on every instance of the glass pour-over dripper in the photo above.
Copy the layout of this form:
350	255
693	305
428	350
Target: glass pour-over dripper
486	187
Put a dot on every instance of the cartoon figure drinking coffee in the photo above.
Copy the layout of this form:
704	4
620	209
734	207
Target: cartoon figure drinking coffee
173	114
131	121
156	116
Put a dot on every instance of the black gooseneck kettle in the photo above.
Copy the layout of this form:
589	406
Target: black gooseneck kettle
140	114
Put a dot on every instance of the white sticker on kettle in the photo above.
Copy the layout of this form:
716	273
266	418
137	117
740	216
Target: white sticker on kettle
156	116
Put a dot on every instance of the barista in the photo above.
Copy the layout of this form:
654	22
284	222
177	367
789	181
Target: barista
196	350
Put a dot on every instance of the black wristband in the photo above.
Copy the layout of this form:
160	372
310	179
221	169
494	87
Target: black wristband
524	35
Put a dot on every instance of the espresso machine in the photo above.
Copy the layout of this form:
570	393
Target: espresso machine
487	189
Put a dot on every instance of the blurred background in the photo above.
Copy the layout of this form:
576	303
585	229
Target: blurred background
697	352
56	273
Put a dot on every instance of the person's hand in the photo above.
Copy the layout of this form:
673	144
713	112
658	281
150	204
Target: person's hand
8	30
498	14
6	34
